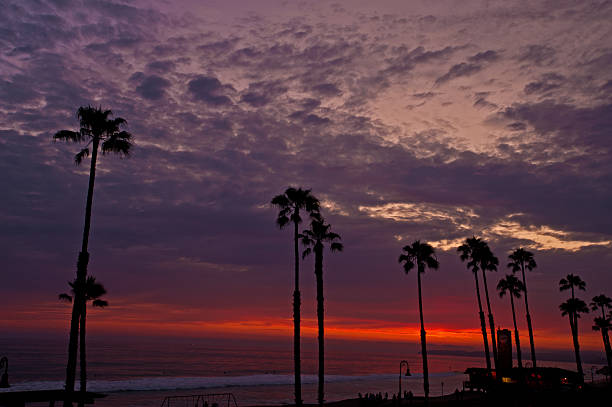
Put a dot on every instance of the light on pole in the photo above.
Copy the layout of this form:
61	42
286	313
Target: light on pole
402	363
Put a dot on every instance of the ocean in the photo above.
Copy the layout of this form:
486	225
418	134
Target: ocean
142	371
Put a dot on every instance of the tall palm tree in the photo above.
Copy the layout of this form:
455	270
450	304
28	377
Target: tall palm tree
289	204
100	131
421	255
488	262
314	239
603	323
470	251
521	259
573	307
92	291
513	287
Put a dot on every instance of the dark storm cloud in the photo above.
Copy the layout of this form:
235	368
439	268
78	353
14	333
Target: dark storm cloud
161	66
404	60
209	90
546	83
457	71
326	89
152	87
485	56
568	125
537	54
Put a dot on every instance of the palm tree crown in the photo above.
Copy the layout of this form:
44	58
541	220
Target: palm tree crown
601	302
291	202
93	291
521	258
319	233
420	255
97	126
510	285
570	282
573	306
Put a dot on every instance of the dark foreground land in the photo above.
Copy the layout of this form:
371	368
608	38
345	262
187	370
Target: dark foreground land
589	396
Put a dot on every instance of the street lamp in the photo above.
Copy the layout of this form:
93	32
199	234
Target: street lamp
402	363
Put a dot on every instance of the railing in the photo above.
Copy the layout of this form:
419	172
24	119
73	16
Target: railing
201	400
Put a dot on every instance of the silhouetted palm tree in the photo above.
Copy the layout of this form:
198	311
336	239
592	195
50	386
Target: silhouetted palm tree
573	307
314	239
93	291
421	255
99	130
488	262
570	282
603	323
521	259
470	251
513	287
289	204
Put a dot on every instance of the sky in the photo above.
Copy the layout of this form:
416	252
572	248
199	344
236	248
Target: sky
430	120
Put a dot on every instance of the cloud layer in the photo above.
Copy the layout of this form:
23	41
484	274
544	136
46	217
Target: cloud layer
418	122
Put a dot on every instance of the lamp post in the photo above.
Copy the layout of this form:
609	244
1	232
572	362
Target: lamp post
402	363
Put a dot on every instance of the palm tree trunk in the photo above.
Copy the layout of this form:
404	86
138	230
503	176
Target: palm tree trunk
491	323
528	316
606	341
483	325
82	263
296	323
516	335
83	359
320	318
423	342
574	328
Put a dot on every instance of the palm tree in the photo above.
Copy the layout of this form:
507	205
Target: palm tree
470	250
420	255
314	239
513	287
289	204
570	282
521	259
603	323
92	291
97	129
488	262
573	307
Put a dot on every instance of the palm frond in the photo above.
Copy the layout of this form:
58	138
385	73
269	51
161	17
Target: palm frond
78	158
116	145
67	135
65	297
100	303
306	252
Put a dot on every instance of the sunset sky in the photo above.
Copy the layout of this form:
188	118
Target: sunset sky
431	120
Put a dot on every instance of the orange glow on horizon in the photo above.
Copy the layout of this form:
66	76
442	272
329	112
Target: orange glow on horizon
158	319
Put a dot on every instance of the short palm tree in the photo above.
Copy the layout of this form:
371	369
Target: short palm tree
421	256
99	131
603	323
513	287
290	203
521	260
314	240
470	250
573	307
93	290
